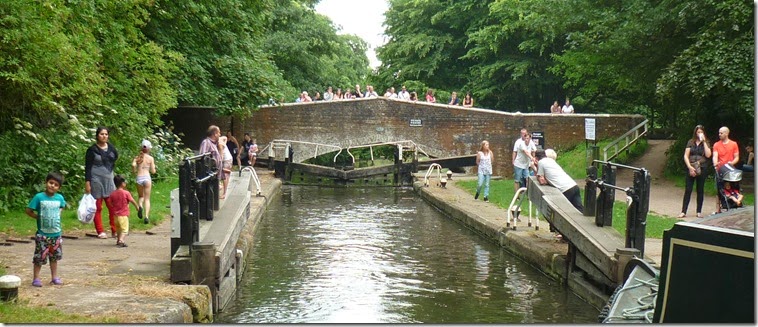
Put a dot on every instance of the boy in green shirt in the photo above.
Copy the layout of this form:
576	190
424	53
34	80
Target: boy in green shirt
46	208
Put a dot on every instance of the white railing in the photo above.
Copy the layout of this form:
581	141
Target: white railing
443	181
514	211
255	179
634	134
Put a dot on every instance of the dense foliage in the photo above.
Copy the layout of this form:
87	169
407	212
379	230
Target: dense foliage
605	56
679	63
67	67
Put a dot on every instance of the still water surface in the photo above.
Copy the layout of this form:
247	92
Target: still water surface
383	255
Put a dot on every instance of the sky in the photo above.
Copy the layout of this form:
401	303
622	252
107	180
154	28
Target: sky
363	18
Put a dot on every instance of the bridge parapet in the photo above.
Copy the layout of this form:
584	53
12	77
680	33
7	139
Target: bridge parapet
452	130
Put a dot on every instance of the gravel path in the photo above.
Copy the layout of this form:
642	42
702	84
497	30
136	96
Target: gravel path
665	197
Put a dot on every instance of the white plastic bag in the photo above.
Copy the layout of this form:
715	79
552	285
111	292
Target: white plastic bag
87	208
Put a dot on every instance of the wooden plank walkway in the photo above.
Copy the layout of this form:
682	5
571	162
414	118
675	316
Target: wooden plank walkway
597	244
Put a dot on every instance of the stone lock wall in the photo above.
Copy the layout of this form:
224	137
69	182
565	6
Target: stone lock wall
439	129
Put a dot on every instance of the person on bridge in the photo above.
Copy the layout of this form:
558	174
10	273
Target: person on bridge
556	108
430	96
484	159
328	95
548	171
404	95
454	100
567	108
695	154
468	101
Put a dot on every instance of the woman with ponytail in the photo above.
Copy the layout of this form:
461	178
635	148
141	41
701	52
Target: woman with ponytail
144	165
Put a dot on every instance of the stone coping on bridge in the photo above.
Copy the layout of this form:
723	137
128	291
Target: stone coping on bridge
444	105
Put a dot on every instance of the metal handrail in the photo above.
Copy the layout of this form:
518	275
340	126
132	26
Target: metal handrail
625	136
439	174
511	220
255	179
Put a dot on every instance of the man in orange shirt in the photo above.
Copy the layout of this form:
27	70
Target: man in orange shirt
725	151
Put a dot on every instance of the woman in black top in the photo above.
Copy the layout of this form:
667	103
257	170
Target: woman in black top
98	175
234	147
695	155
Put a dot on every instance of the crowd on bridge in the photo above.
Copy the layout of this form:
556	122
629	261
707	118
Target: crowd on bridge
403	94
467	101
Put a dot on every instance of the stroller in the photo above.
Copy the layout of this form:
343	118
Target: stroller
727	173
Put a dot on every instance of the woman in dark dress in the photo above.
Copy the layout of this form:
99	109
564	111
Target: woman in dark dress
695	155
98	175
234	149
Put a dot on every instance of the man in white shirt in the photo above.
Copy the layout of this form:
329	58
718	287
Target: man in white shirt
567	108
328	95
523	157
370	92
404	95
548	171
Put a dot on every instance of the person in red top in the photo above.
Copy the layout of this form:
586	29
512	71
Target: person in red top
120	199
725	150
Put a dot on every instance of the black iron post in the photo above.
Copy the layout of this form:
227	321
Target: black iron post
590	192
608	195
636	217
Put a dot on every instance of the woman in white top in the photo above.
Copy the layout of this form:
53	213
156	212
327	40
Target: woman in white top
484	160
144	165
227	163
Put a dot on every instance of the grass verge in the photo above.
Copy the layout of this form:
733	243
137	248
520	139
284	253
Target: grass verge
17	224
22	312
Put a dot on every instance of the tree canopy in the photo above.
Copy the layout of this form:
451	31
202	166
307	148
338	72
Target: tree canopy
677	62
67	67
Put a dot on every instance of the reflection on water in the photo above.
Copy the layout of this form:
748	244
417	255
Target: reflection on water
382	255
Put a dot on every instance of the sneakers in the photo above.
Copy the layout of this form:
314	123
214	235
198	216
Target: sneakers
476	196
56	281
139	213
37	283
146	220
102	235
486	199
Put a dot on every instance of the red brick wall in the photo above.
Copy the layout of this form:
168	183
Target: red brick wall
447	130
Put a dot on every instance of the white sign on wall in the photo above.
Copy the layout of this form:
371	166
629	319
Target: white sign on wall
589	128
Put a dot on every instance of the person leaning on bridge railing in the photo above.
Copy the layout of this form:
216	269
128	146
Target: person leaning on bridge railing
548	171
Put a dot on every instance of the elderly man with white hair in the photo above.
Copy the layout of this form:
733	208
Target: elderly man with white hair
548	171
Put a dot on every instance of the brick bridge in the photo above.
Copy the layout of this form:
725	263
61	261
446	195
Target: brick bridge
441	130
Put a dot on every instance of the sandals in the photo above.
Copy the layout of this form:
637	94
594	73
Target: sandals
38	283
121	244
102	235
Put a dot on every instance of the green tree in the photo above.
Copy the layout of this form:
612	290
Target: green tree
427	42
65	68
306	47
226	64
